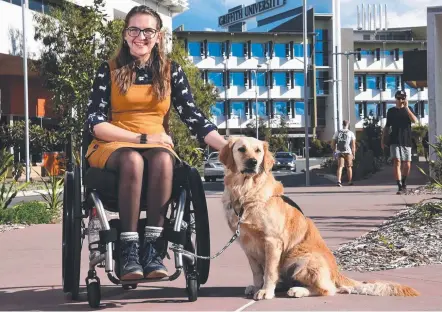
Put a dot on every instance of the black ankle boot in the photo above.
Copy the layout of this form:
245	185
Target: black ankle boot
130	267
152	261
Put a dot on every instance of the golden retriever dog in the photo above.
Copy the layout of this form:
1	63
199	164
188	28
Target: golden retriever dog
278	240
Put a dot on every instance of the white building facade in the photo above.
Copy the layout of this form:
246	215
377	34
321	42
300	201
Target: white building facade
257	69
378	73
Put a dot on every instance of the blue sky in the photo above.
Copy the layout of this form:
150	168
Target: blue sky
203	14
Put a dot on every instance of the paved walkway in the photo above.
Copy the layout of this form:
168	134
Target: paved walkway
30	274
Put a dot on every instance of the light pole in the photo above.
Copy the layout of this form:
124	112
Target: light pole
25	77
306	94
256	101
347	54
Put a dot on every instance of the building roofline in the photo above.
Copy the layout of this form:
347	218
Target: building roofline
239	33
390	41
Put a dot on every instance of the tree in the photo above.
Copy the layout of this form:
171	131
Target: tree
75	42
276	136
204	95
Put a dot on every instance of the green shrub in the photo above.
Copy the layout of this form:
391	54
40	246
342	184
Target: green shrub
33	212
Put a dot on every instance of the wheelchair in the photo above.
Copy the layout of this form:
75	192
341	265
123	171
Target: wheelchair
186	227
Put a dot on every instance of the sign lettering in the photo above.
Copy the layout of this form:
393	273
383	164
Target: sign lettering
249	11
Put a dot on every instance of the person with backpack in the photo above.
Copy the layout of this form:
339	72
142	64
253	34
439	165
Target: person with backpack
344	147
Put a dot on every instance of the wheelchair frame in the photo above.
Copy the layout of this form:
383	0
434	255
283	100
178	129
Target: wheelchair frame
187	198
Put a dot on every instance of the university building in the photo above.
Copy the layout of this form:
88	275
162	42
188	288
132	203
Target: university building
261	60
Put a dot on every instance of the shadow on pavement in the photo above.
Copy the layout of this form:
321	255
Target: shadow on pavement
52	298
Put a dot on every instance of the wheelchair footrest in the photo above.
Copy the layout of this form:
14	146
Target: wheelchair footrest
108	236
175	237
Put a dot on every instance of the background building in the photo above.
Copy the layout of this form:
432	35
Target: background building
271	46
378	68
262	61
11	50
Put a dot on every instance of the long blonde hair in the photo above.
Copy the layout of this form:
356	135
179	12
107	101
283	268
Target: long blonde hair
124	73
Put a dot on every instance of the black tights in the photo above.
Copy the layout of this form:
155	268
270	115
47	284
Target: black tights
130	167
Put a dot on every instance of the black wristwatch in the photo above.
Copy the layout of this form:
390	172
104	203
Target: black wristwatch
143	138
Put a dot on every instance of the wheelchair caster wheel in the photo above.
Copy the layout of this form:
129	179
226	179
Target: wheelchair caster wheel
192	289
130	286
94	293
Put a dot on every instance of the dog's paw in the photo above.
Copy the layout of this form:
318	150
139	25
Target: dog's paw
251	290
298	292
264	294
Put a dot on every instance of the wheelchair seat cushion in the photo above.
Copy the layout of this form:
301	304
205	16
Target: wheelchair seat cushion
104	181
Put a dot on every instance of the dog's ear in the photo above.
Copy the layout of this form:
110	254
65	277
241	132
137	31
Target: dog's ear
226	156
268	160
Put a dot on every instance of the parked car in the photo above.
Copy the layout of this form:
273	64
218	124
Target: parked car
213	168
285	160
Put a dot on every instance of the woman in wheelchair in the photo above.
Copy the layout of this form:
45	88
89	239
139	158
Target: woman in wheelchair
128	117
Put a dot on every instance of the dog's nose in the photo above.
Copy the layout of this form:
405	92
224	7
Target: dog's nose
251	163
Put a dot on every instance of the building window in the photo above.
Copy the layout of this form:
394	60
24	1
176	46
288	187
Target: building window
299	79
357	81
237	79
391	82
321	85
280	108
238	109
194	48
214	49
215	78
426	109
258	49
279	49
261	109
321	34
372	109
358	112
36	5
279	79
371	82
260	79
237	49
321	48
298	49
319	59
218	109
299	108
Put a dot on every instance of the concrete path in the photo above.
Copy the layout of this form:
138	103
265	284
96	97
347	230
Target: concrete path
30	271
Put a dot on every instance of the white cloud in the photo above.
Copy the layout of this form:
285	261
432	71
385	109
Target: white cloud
233	3
209	29
406	13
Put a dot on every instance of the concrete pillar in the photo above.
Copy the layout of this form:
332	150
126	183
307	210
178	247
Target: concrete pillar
434	73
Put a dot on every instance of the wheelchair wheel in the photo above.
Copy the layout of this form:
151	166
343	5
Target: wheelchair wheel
192	289
198	227
94	294
72	233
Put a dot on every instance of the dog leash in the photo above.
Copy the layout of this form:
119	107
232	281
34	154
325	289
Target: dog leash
175	247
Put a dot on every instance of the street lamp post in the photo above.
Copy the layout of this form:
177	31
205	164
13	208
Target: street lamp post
256	101
306	94
25	78
347	54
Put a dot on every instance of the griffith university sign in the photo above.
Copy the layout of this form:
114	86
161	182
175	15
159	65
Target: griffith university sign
249	11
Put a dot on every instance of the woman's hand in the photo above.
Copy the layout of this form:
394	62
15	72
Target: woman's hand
160	138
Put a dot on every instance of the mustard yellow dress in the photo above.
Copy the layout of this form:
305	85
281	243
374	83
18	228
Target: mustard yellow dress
140	111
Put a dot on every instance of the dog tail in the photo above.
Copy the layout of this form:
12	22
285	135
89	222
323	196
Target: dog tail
347	285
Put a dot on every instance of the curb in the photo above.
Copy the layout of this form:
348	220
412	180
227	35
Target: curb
329	177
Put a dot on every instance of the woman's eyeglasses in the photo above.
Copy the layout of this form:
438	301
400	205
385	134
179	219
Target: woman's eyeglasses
135	32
